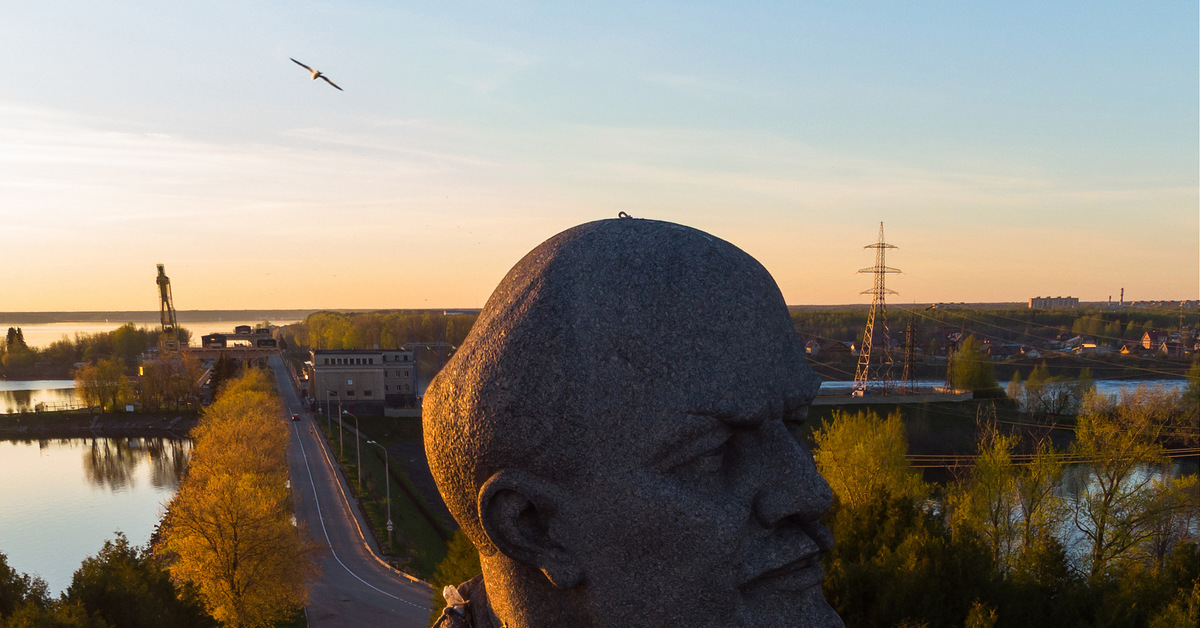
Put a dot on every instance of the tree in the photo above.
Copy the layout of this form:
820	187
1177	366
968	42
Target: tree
1116	509
16	352
229	530
14	340
1015	389
1038	501
17	589
986	502
129	340
1045	394
168	381
128	586
103	384
863	456
969	368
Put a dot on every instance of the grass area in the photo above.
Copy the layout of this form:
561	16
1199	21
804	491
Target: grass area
416	544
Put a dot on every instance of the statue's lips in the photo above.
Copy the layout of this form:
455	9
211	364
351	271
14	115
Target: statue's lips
799	575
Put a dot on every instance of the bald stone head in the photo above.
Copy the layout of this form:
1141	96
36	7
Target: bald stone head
616	437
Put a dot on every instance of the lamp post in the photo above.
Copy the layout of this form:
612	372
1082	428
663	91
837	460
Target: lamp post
357	449
341	438
329	410
387	482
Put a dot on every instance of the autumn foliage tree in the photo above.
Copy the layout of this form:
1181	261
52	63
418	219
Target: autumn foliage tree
103	384
229	531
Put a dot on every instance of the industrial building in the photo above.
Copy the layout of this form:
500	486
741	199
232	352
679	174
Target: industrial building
365	381
1048	303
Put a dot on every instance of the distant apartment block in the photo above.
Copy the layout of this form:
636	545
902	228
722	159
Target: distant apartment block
366	381
1048	303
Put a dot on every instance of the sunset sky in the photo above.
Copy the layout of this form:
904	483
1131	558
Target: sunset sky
1011	149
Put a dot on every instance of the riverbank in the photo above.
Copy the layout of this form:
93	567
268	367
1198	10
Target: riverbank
42	425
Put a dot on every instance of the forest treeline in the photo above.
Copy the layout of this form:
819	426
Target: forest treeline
391	329
124	343
385	329
1015	325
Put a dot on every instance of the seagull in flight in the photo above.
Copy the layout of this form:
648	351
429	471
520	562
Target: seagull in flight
316	74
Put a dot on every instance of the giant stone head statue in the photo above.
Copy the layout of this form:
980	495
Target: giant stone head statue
617	436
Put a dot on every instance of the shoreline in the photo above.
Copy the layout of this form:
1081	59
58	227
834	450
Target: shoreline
31	426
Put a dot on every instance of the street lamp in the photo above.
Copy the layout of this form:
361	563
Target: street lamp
387	482
357	448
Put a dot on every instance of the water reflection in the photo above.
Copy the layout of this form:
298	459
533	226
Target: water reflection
30	396
20	400
112	462
60	499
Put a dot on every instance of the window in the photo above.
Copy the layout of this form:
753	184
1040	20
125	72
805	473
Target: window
349	393
386	388
366	393
349	382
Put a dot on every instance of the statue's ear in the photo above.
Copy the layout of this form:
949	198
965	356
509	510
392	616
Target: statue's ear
520	515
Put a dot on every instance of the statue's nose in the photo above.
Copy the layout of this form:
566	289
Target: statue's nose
791	488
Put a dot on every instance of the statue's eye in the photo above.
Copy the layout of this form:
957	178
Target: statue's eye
711	460
703	453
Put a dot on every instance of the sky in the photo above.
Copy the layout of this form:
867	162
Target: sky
1011	149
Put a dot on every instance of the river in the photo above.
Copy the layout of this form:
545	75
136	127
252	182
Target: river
61	499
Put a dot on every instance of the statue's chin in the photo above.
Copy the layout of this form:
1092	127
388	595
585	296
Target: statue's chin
767	606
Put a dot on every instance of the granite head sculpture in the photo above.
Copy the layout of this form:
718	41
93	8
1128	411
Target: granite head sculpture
618	437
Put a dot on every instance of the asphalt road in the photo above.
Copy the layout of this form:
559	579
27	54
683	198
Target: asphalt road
354	587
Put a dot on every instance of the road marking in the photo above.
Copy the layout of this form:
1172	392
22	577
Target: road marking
325	531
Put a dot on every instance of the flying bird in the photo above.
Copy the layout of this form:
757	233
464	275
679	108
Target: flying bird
316	74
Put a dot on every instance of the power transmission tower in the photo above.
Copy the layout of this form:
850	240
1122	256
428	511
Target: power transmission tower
907	381
170	330
863	374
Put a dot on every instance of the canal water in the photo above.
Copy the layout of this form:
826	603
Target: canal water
61	499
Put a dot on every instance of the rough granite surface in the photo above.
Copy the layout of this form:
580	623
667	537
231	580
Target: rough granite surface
616	437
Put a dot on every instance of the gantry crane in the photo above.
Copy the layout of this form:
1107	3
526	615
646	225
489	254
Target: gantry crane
170	329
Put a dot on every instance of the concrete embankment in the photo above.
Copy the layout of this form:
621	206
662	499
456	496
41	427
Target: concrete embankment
31	426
